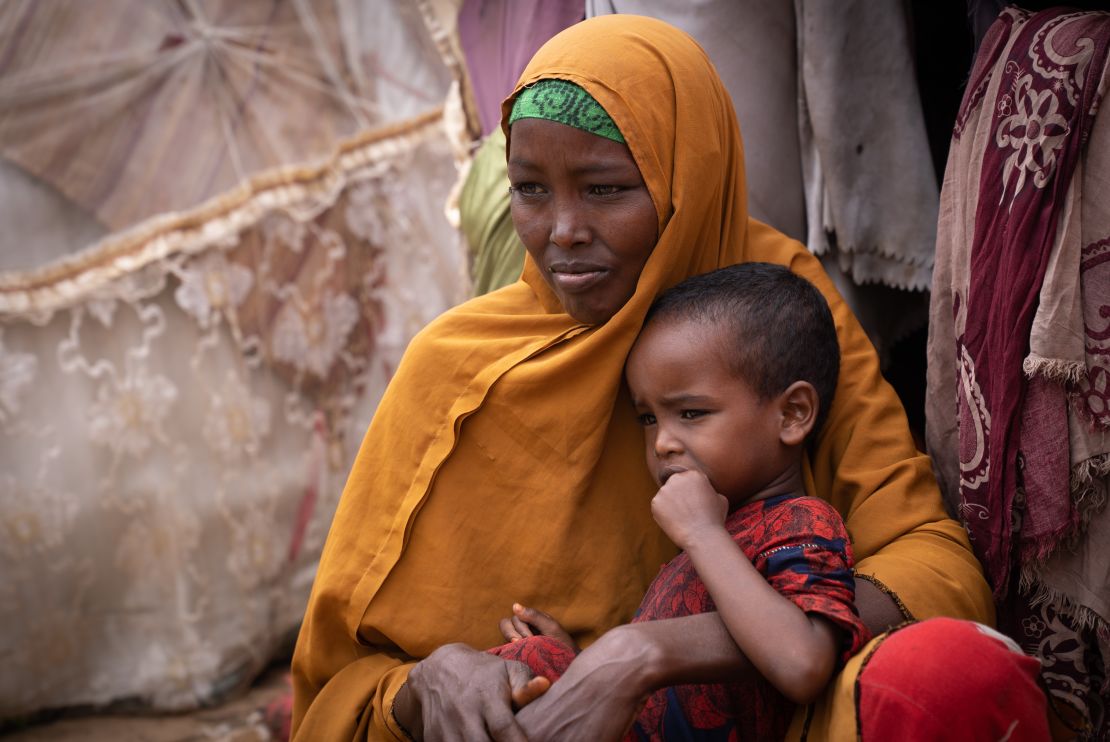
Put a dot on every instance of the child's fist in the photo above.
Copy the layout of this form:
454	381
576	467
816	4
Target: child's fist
687	504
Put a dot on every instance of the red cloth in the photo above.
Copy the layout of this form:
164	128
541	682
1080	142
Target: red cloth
944	679
801	546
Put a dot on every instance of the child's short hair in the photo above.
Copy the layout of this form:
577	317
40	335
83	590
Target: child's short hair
780	324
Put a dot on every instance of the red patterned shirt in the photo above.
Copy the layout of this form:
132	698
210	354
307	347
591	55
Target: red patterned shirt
801	546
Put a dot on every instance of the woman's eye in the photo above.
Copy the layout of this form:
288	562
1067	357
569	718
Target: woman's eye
693	414
646	420
526	189
605	190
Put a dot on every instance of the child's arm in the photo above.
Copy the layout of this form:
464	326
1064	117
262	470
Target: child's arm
532	622
794	651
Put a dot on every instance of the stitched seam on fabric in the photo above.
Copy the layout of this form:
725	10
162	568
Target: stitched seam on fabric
856	690
789	546
810	709
393	715
906	614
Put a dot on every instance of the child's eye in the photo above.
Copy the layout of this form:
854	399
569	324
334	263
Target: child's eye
605	190
646	419
693	414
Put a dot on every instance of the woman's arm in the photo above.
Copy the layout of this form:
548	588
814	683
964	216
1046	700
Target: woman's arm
877	609
601	692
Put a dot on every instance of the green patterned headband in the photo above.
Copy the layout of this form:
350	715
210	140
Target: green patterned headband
567	103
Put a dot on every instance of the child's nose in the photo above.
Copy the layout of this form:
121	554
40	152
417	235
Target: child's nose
666	442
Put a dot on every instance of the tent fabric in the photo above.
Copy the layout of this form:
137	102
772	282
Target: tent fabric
206	301
210	91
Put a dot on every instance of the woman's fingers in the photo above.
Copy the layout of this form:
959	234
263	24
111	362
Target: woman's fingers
501	720
464	694
501	726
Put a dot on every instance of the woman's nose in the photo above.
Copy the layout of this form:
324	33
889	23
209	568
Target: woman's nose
568	224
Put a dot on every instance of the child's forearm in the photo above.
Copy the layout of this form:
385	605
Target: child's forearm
793	651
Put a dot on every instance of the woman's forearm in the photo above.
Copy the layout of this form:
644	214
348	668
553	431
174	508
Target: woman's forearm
699	649
600	693
690	649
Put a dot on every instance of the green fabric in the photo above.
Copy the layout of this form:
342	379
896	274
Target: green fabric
567	103
497	254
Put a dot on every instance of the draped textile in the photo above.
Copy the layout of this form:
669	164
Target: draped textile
859	176
1017	397
497	254
995	696
498	38
506	411
854	182
191	352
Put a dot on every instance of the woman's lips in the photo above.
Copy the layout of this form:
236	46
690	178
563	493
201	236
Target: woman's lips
577	280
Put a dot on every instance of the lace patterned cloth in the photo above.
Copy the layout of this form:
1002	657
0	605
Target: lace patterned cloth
229	231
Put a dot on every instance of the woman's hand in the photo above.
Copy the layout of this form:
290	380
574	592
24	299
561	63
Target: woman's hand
687	504
459	693
532	622
603	689
599	695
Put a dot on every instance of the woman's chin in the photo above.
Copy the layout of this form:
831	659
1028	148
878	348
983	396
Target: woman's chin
589	316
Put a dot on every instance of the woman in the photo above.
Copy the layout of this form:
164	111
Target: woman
505	462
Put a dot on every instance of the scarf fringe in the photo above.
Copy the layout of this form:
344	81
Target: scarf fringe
1088	493
1042	594
1084	474
1088	499
1054	369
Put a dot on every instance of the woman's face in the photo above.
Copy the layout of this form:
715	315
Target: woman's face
584	214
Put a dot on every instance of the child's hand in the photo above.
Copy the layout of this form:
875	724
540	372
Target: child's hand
531	622
686	504
530	690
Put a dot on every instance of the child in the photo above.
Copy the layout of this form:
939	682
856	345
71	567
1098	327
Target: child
733	372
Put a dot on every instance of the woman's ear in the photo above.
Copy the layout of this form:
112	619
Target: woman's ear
799	405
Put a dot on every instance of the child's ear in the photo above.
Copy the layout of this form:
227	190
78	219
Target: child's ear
799	405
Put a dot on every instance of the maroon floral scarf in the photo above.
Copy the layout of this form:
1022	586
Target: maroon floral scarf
1050	65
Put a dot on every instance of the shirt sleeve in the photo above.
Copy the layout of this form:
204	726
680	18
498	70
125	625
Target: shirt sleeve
807	558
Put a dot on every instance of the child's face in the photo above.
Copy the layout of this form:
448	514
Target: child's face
698	415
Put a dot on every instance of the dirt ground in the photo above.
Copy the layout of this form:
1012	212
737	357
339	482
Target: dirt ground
239	720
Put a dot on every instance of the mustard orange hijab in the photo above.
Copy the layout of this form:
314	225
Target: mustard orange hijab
505	463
